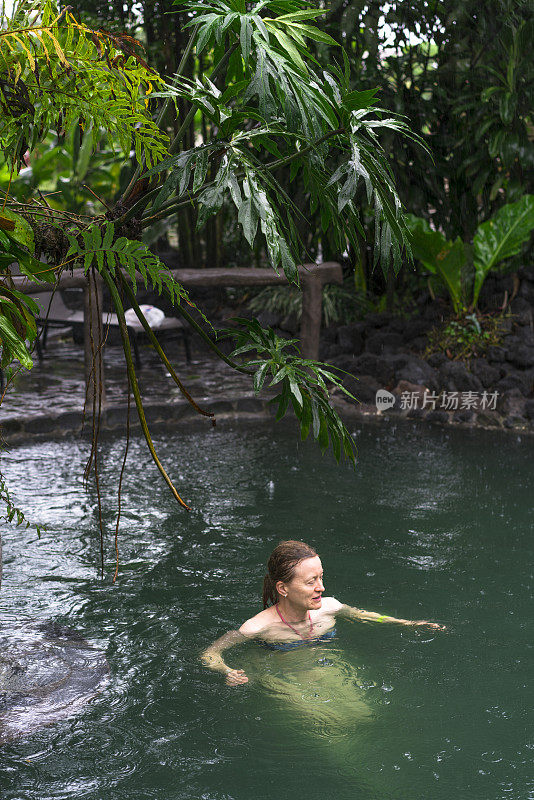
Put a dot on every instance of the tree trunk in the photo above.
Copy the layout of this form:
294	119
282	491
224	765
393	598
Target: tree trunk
310	323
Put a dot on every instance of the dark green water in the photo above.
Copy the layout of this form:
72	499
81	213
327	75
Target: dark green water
433	524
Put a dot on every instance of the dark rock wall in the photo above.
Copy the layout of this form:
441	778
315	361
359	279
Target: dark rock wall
386	352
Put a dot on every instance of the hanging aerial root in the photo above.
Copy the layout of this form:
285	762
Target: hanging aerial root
134	385
155	343
93	378
96	351
119	492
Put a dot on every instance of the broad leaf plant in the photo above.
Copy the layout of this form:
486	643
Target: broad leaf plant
462	267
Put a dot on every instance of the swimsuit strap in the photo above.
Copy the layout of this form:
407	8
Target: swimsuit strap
291	626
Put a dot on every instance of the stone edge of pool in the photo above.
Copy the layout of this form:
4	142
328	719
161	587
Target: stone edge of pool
245	408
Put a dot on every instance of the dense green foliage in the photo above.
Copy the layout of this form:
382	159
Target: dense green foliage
463	75
272	112
57	73
463	267
464	82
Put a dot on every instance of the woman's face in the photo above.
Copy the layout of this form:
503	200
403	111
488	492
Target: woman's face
306	585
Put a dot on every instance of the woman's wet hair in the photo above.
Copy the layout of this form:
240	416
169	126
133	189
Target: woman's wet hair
281	566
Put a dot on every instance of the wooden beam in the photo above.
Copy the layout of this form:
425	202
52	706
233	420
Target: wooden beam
330	272
310	321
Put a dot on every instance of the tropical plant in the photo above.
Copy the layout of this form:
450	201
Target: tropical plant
57	73
467	337
465	82
501	238
17	310
340	303
303	382
462	268
263	95
64	167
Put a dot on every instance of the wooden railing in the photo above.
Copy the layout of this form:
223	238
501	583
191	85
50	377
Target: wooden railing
312	279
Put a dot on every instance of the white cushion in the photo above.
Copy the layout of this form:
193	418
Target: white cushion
154	316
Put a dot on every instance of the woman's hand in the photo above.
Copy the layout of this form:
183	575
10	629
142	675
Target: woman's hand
235	676
433	625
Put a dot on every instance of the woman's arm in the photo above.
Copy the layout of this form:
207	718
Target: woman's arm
372	616
212	657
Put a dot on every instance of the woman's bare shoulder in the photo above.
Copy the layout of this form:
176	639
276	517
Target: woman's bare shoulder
258	623
330	605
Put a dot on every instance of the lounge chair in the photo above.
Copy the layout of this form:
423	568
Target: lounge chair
54	313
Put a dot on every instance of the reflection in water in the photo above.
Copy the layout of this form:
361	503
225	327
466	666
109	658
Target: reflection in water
47	673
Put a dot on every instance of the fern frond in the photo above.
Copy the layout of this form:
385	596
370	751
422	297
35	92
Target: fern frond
98	247
54	70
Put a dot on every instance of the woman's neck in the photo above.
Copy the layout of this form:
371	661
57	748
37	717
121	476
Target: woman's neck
291	613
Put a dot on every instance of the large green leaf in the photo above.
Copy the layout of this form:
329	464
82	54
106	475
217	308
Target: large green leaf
23	231
441	257
13	346
356	100
426	244
449	266
84	154
501	237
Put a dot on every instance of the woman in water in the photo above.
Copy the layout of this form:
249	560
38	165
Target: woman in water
295	611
